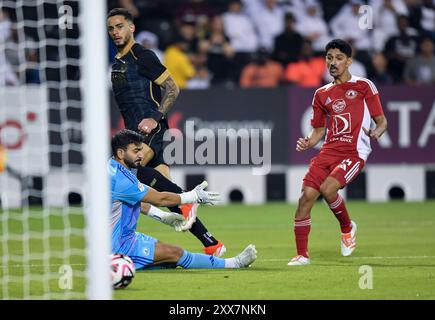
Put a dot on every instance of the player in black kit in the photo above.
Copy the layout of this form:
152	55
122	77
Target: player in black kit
145	91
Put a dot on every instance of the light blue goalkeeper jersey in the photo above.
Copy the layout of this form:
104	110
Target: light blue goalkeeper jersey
127	193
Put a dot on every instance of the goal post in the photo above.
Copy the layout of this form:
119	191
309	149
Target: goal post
96	118
54	149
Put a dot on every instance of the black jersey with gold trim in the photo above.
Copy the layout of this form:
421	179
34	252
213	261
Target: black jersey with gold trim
136	77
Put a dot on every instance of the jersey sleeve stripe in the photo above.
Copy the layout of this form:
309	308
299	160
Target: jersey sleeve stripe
371	85
162	77
126	173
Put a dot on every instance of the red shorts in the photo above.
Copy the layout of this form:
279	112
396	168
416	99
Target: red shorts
344	169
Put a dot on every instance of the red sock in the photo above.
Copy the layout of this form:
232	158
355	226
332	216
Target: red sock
340	212
302	229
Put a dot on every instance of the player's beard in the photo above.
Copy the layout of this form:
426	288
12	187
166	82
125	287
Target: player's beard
131	163
124	43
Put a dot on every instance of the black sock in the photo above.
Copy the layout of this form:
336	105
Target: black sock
200	231
151	177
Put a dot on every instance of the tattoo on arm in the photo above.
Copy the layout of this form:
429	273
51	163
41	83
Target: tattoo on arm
171	92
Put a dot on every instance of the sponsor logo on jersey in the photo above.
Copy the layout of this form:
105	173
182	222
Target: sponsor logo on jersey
328	101
339	105
351	94
342	124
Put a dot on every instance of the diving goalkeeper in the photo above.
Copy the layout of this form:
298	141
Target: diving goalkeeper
128	194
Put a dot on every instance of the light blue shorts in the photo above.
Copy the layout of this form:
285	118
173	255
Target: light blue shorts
142	251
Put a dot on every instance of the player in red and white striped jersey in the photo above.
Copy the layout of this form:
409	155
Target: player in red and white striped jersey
344	110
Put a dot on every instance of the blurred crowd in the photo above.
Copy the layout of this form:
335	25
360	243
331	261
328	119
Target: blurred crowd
268	43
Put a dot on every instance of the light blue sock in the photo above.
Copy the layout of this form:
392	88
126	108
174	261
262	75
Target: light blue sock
200	261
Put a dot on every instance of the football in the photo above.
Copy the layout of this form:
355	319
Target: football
122	269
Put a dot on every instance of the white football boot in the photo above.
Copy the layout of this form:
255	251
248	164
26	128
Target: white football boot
246	257
299	261
348	241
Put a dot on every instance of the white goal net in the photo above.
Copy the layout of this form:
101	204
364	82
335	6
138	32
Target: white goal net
52	152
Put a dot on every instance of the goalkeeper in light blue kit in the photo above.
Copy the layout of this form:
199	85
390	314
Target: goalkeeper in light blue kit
130	197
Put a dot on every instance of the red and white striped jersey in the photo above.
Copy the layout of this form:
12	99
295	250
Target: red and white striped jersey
348	107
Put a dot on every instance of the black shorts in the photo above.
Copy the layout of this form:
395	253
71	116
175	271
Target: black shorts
155	141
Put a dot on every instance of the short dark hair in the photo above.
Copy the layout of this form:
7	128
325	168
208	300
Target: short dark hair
123	138
120	12
341	45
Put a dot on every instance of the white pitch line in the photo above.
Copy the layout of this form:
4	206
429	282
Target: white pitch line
41	265
403	257
260	260
350	258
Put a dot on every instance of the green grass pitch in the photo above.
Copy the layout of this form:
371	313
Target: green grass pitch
397	240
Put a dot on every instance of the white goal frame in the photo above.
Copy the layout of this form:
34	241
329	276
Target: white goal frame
96	128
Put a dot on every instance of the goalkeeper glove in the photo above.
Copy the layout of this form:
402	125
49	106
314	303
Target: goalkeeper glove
172	219
199	195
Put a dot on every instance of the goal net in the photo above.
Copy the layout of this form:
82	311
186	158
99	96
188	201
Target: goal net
54	236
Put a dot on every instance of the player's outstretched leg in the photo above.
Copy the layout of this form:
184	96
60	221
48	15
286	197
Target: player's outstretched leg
336	203
199	260
168	254
156	180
